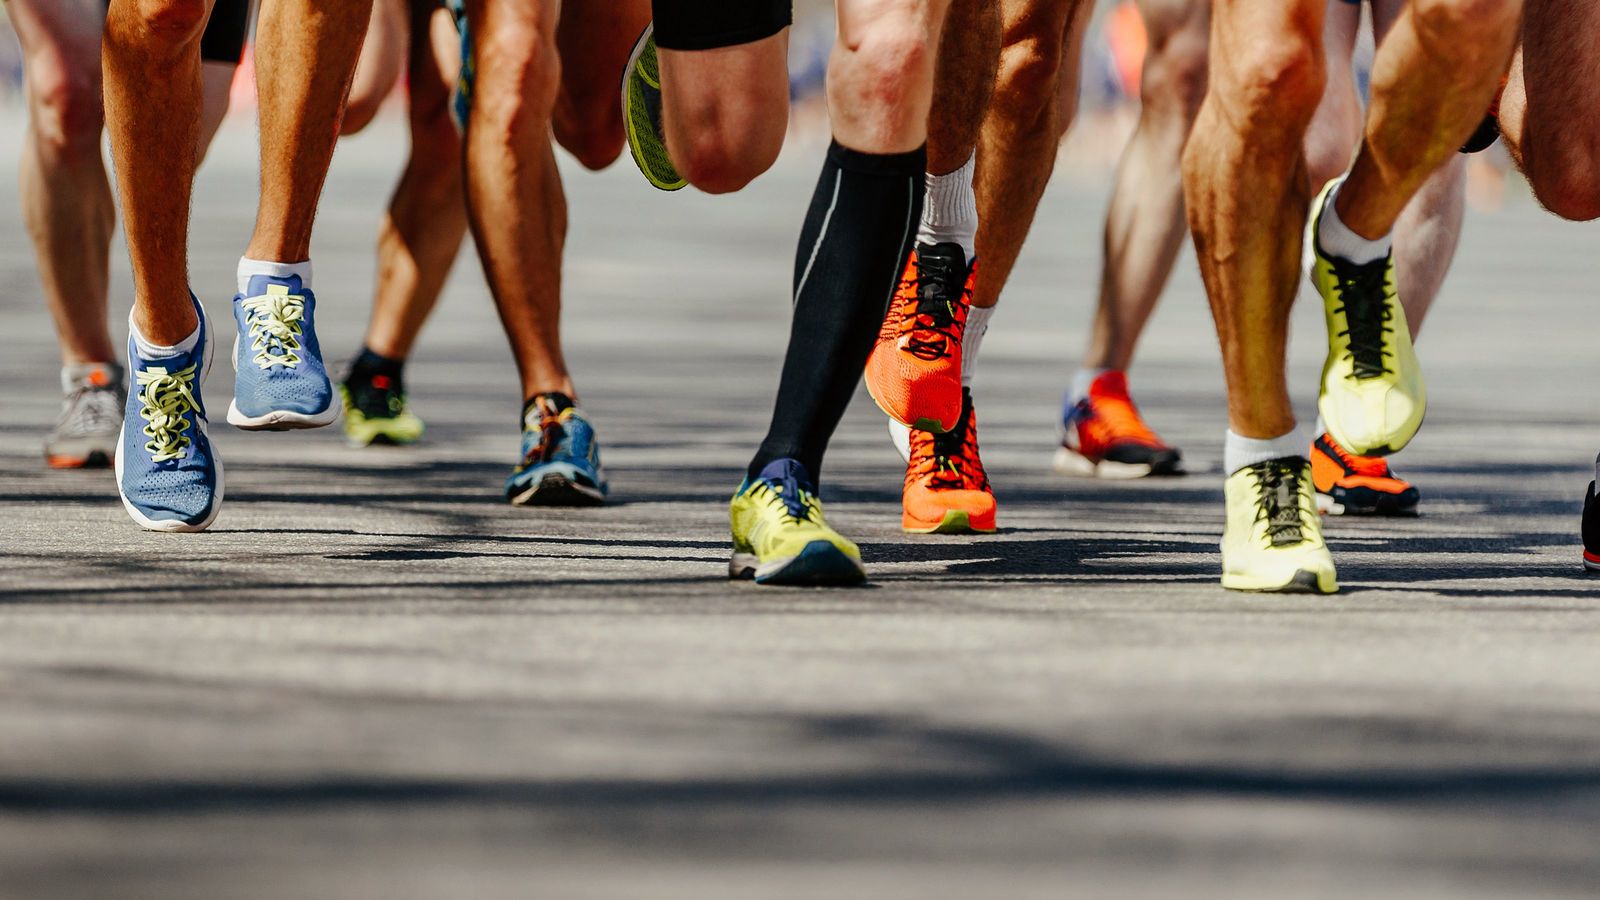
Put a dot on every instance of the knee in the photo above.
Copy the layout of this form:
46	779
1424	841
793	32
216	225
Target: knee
1452	22
1275	86
1175	74
519	74
66	110
888	58
1570	189
166	23
719	161
1029	75
592	137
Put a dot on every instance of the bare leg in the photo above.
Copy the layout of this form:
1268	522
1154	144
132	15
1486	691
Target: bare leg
1245	185
216	90
1426	101
1552	87
595	38
969	58
151	60
1145	226
726	111
1021	133
517	206
383	58
302	103
66	197
421	234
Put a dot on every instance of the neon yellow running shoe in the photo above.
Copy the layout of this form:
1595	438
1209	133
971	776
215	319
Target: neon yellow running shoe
641	111
1372	397
779	536
375	412
1273	537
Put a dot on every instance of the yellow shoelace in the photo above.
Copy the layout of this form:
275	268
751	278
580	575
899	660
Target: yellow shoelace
165	398
275	324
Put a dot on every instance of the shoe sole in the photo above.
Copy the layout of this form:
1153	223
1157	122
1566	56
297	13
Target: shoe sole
95	460
558	490
1303	582
1329	505
820	564
954	522
1072	463
170	526
627	116
1591	562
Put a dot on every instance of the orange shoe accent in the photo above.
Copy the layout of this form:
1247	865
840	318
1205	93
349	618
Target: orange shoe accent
946	489
914	373
1106	437
1359	485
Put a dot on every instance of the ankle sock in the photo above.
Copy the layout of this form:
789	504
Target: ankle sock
950	210
1239	451
853	248
1336	238
971	340
249	268
148	349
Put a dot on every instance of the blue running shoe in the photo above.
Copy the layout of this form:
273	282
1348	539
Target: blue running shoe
281	382
168	474
560	457
461	97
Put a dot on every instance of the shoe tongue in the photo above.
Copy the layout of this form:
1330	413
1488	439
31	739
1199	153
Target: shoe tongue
788	471
259	283
948	252
1111	383
542	406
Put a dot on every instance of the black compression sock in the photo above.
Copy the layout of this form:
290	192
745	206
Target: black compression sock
853	248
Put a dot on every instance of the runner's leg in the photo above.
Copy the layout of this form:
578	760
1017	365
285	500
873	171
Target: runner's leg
594	38
384	56
1550	114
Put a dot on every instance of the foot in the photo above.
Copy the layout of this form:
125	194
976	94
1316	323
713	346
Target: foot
1372	398
779	536
1103	436
1348	484
1273	537
168	474
461	96
946	490
560	457
86	433
641	112
281	382
375	410
914	373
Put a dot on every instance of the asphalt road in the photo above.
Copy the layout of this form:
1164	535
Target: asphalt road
373	679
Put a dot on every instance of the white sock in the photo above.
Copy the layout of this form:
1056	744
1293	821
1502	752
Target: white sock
972	339
1239	451
1336	238
950	210
150	350
249	268
1081	382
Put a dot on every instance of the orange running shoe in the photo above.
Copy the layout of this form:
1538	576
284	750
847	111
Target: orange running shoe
1103	436
1348	484
947	491
914	373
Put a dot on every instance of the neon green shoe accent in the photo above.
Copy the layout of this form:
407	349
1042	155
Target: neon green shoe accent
1372	398
277	319
1272	539
164	401
362	431
641	111
773	546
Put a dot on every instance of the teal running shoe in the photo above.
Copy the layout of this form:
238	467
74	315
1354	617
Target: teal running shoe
461	97
560	457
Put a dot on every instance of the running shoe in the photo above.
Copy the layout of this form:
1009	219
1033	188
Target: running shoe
1272	541
560	457
914	373
90	424
641	111
375	411
1103	436
780	537
1372	399
946	490
1591	528
461	96
1353	485
168	473
280	382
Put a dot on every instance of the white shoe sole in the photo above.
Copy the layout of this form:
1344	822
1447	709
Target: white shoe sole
1070	462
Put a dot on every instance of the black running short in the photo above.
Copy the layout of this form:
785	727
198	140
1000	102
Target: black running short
223	41
710	24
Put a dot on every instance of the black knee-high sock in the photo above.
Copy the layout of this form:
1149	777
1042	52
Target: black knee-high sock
858	232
